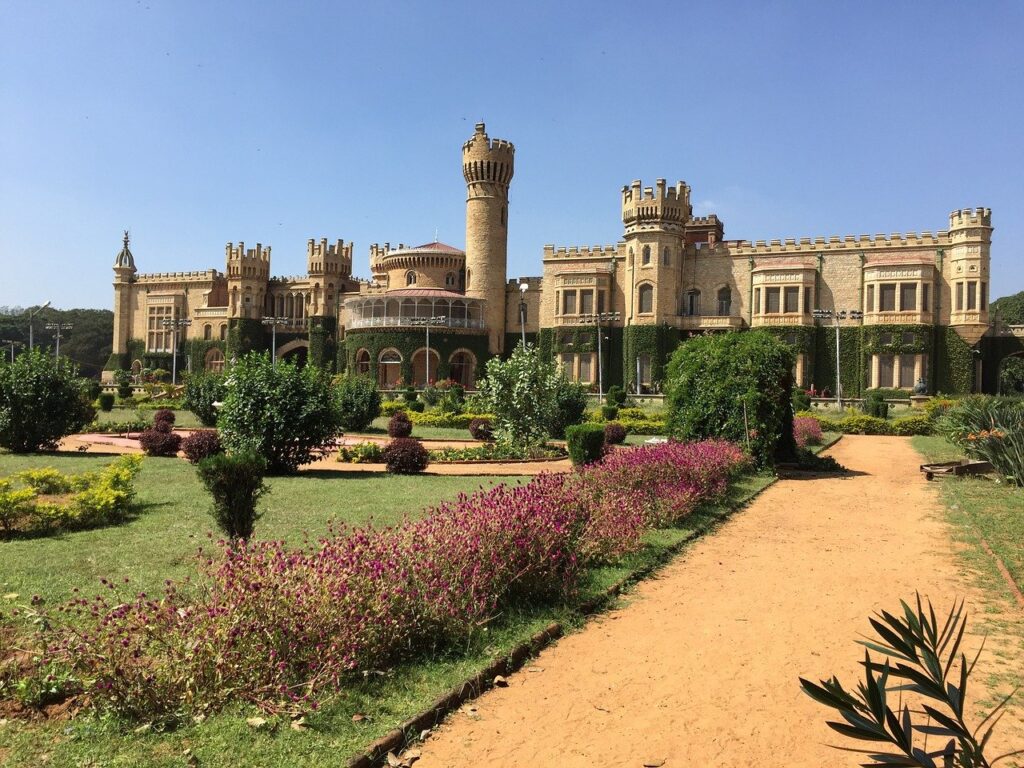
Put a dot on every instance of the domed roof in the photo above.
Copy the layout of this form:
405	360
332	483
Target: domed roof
124	259
434	247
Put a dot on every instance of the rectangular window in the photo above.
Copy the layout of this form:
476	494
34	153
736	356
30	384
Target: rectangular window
586	302
567	364
757	301
569	303
600	301
908	297
666	258
981	297
887	298
792	299
885	370
808	299
158	338
585	368
870	307
972	296
771	300
558	301
924	297
959	297
906	371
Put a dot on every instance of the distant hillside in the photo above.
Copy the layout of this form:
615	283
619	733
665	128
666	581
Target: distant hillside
1009	309
88	342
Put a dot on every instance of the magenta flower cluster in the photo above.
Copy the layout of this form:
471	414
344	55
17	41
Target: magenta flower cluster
807	431
281	626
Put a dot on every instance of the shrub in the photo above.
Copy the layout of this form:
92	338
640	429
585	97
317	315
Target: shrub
911	425
165	415
570	406
285	414
123	379
609	412
159	441
445	420
41	401
430	395
806	431
801	400
409	394
734	386
616	396
856	424
614	433
646	426
399	425
451	397
201	444
481	429
875	405
991	429
389	407
236	483
888	393
361	453
938	406
15	505
405	456
359	401
585	443
45	480
520	393
416	406
202	390
106	401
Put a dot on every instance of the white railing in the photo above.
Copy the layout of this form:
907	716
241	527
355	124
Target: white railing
393	322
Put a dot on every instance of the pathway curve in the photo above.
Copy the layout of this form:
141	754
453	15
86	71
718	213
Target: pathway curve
700	667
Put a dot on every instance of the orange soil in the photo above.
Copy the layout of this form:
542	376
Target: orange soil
700	667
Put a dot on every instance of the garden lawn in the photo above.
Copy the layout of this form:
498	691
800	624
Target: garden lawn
172	522
182	419
225	740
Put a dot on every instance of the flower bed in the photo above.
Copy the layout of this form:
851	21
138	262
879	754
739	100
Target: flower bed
282	627
497	452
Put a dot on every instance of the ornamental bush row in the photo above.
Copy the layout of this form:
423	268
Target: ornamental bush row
284	627
862	424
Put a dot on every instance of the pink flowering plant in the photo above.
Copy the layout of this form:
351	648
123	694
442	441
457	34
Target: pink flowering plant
807	431
283	627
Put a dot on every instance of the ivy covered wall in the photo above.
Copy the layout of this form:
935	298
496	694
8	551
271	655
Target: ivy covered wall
659	341
323	342
245	335
407	342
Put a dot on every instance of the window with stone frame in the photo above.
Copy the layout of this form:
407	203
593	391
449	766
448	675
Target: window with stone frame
772	301
158	338
870	303
645	299
600	301
666	257
972	296
757	301
982	298
569	302
645	257
886	368
586	302
887	297
959	297
909	337
906	371
791	299
924	297
908	297
724	301
586	368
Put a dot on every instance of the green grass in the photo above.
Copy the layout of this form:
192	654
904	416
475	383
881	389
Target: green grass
173	521
226	740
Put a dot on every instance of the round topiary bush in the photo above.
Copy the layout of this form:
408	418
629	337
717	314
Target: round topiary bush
609	412
481	429
417	406
163	426
405	456
201	444
106	400
163	415
614	433
359	401
157	443
399	425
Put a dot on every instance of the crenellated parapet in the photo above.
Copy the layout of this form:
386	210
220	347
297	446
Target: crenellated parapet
583	252
658	207
836	243
970	217
203	275
329	259
247	262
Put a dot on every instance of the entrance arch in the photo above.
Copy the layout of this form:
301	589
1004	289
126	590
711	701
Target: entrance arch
1011	374
389	369
462	368
419	367
295	351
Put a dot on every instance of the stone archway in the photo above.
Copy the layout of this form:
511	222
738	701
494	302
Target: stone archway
295	351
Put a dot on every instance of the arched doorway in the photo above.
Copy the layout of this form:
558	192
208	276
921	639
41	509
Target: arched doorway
389	369
214	361
420	375
295	351
1011	375
462	368
363	362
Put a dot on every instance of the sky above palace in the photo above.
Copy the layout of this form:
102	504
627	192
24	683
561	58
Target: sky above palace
193	124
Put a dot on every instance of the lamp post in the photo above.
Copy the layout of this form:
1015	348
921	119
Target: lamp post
523	288
174	324
824	314
427	322
598	319
13	344
32	314
58	327
273	322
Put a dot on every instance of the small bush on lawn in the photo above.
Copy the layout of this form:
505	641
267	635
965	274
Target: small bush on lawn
801	400
417	406
41	401
16	504
614	433
430	395
405	456
390	407
570	406
160	441
911	425
361	453
201	444
46	480
123	379
875	405
236	483
616	396
446	420
807	431
106	401
164	415
481	429
609	412
520	393
399	425
451	397
938	406
636	413
409	394
359	401
585	443
202	390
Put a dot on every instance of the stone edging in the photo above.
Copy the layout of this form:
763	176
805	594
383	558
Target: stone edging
471	688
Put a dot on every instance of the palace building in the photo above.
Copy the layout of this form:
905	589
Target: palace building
623	306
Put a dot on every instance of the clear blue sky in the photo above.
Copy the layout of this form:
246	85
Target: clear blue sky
196	123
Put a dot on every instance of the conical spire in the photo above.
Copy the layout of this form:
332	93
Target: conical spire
124	259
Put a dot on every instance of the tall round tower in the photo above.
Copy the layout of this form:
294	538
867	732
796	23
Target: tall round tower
487	166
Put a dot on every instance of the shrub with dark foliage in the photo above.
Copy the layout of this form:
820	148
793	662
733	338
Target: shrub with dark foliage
359	401
106	400
202	390
156	442
609	412
236	483
399	425
405	456
417	405
614	433
201	444
165	415
570	405
481	429
585	443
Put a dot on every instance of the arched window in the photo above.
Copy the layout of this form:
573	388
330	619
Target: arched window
214	362
363	362
410	278
645	298
449	280
666	257
724	301
462	278
207	332
469	277
223	332
389	369
462	368
424	373
645	257
692	305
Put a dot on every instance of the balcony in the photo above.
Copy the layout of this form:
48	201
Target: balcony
707	322
399	322
781	319
209	312
898	318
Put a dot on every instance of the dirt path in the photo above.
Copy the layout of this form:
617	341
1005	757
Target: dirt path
701	667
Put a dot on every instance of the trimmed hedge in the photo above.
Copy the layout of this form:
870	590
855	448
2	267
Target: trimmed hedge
862	424
405	456
585	443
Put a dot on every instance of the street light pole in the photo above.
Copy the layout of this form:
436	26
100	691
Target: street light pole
600	367
523	287
32	314
58	327
273	322
853	314
428	321
174	324
13	344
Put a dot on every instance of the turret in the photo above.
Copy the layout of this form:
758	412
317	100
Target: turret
970	237
665	208
248	271
655	220
487	167
124	274
328	260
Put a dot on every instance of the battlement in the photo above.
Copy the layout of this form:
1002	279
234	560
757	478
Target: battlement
156	277
479	143
660	205
328	259
837	242
582	252
296	280
487	160
240	253
534	283
711	220
967	217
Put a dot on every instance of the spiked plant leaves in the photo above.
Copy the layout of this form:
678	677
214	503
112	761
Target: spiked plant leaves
924	656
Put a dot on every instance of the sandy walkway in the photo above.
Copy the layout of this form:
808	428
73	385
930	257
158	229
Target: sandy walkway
700	669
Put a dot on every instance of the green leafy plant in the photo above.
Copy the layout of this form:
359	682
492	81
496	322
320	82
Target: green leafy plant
359	401
236	483
202	390
520	393
991	429
922	657
616	396
123	379
585	443
609	412
361	453
106	401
